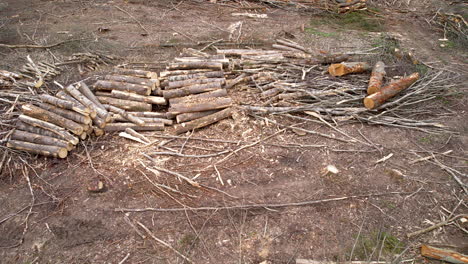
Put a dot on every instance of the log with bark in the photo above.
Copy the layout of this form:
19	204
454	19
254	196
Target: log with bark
344	68
443	255
195	65
222	59
46	150
149	114
201	75
136	73
42	114
193	89
289	43
102	113
132	79
215	93
166	74
59	131
139	98
377	99
122	126
66	104
242	52
102	85
125	104
26	136
204	121
189	82
200	104
195	115
120	118
376	79
86	91
125	115
72	115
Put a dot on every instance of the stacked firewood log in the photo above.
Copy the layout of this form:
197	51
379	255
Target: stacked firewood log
194	87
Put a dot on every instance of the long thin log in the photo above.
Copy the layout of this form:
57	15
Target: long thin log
102	85
42	114
72	115
191	65
292	44
137	73
59	131
344	68
125	115
137	135
223	61
178	84
166	74
443	255
193	89
40	139
120	118
377	99
376	79
86	91
210	74
67	97
201	104
241	78
204	121
64	104
195	115
132	79
149	114
215	93
139	98
45	150
125	104
242	52
122	126
37	130
286	48
102	113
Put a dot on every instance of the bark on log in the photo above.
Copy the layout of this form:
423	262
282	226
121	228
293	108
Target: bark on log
102	113
46	150
122	126
127	116
201	104
204	121
59	131
125	104
64	104
192	116
131	79
99	122
236	81
443	255
137	73
84	89
241	52
377	99
376	79
40	139
67	97
286	48
215	93
37	130
72	115
292	44
166	74
127	87
98	131
189	82
139	98
330	58
137	135
193	65
120	118
149	114
344	68
224	61
42	114
193	89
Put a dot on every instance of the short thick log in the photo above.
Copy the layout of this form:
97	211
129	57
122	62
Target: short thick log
131	79
122	126
215	93
210	74
139	98
344	68
193	89
166	74
102	85
376	79
137	73
40	139
59	131
443	255
45	150
102	113
66	104
200	104
42	114
72	115
377	99
204	121
192	65
125	104
189	82
195	115
124	114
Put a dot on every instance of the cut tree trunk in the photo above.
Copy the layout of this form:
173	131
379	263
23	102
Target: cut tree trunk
210	74
98	131
64	104
40	139
84	89
166	74
121	86
102	113
131	79
204	121
344	68
377	99
72	115
122	126
137	73
189	82
120	118
126	104
37	130
124	114
139	98
59	131
193	89
194	65
200	104
99	122
42	114
443	255
149	114
215	93
67	97
376	79
195	115
45	150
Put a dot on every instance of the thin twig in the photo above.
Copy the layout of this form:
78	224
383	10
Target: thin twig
443	223
136	20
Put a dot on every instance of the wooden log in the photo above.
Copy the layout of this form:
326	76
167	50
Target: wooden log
201	104
102	113
59	131
292	44
137	135
120	118
165	74
64	104
179	84
84	135
67	97
132	79
377	99
86	91
40	139
242	52
98	131
99	122
102	85
376	79
45	150
193	89
125	104
286	48
215	93
139	98
193	65
137	73
149	114
204	121
241	78
125	115
72	115
223	61
37	130
344	68
42	114
210	74
195	115
122	126
443	255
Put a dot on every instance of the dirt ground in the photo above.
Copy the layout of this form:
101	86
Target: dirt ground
271	165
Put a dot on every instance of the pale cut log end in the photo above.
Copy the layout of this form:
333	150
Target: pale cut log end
373	90
336	70
83	135
63	153
369	103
